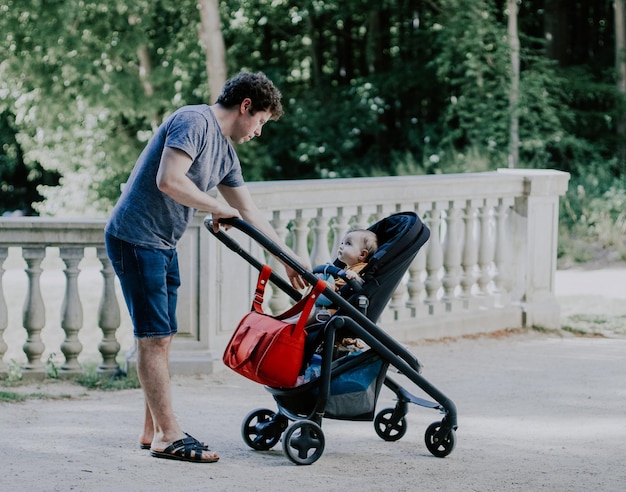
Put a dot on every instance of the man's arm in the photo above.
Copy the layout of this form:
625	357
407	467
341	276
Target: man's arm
241	199
172	180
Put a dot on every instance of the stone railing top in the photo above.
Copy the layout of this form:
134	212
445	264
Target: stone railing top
44	231
282	195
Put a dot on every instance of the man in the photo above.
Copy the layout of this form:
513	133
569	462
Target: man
188	155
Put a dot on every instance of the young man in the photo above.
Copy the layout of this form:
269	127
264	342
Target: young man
188	155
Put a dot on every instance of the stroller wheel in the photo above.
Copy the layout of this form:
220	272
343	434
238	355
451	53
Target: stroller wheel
303	442
439	443
261	429
389	428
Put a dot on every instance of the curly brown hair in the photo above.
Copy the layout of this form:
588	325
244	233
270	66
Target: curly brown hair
256	86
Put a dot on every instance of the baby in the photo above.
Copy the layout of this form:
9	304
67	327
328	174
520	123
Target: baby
355	249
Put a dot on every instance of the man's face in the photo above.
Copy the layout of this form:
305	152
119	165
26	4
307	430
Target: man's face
249	125
351	249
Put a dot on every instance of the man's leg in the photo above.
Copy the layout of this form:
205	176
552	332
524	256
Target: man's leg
153	372
154	375
145	438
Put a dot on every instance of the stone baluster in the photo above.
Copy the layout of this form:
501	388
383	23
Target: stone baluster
434	260
108	317
484	252
320	253
470	254
380	214
4	315
71	310
415	284
340	226
361	217
301	235
397	303
500	257
452	256
279	301
34	313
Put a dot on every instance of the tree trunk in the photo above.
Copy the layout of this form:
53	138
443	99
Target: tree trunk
514	46
145	72
316	57
620	66
211	36
557	18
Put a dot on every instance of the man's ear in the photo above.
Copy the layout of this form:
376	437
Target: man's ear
246	105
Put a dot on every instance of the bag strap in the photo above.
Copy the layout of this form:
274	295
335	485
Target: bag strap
304	305
309	302
264	275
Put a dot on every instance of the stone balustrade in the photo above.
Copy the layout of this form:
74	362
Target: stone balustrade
489	265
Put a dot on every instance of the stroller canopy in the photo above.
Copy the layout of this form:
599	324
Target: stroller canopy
400	237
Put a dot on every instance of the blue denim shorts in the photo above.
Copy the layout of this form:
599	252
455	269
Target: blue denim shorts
150	279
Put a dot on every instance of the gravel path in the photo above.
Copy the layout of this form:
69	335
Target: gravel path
536	412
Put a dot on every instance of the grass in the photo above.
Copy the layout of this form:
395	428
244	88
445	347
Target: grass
595	324
90	379
15	397
17	390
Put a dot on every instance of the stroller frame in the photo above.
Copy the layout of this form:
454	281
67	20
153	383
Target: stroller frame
303	441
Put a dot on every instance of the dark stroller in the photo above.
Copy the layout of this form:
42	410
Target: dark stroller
348	387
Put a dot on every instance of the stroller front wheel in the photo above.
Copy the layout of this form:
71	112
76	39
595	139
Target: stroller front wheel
389	428
303	442
261	429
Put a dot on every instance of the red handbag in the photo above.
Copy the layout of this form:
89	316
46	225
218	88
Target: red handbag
265	348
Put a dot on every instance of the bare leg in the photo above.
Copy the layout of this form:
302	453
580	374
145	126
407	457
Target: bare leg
148	424
148	427
154	374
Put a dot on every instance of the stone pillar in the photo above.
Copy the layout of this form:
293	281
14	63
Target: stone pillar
4	315
535	224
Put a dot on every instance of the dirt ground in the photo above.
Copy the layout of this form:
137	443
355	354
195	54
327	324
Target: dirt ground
537	411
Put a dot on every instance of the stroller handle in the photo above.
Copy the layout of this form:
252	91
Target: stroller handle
267	244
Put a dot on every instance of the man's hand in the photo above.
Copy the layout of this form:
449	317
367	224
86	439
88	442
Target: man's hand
223	212
296	280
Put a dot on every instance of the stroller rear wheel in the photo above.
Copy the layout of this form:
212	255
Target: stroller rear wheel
439	443
262	428
303	442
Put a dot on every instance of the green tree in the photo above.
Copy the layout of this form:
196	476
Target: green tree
92	79
19	181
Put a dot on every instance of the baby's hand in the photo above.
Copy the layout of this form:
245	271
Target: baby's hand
351	275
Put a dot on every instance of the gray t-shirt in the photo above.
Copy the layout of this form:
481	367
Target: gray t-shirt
146	216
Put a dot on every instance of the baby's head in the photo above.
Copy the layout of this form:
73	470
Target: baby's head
357	246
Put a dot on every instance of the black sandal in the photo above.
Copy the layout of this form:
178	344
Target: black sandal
147	445
187	449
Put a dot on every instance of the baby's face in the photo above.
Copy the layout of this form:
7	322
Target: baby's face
351	249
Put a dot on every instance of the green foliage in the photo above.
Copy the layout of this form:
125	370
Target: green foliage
91	379
18	180
473	64
14	373
52	371
11	397
370	88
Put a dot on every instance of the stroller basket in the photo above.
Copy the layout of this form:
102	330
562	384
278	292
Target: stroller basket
356	380
348	387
